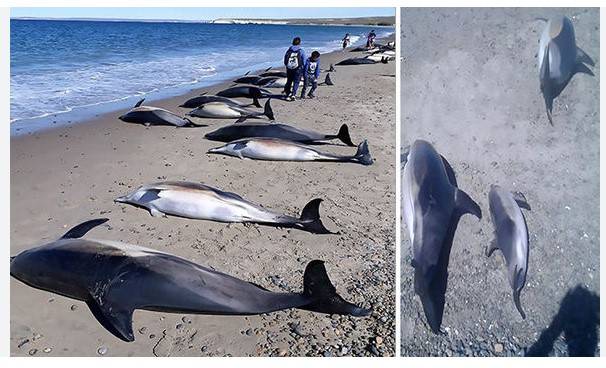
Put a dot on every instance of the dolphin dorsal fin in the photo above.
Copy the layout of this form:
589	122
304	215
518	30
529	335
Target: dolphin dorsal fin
582	57
582	68
465	204
139	103
78	231
520	199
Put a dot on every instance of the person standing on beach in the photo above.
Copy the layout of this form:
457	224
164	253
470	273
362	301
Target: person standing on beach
311	73
294	60
370	41
346	41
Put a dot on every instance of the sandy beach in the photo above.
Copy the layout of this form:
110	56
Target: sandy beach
64	176
471	88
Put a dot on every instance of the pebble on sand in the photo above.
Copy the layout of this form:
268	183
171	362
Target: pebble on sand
102	350
498	348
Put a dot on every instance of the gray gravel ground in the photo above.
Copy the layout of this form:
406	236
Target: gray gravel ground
470	86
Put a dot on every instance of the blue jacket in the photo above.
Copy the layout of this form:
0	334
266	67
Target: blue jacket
307	71
301	54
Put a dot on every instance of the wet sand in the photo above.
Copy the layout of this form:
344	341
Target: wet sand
62	177
471	88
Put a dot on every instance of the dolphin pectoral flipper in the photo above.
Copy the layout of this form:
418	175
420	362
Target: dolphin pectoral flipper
116	319
155	213
582	57
582	68
318	287
521	200
465	204
492	247
78	231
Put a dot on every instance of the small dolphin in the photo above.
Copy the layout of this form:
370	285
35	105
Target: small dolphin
511	236
432	205
204	98
559	59
202	202
149	115
115	278
272	149
234	132
222	110
248	79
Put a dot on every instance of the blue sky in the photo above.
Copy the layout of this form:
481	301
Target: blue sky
198	13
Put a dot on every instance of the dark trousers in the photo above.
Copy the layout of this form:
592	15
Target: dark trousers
310	80
293	77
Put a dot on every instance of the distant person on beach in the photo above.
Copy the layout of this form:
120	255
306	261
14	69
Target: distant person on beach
311	73
294	60
346	40
370	41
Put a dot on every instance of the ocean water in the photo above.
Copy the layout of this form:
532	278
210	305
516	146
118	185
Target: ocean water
63	71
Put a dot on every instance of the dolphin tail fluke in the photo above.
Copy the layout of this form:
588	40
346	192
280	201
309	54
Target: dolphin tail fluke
465	204
363	154
78	231
310	218
582	57
516	300
344	137
317	286
139	103
268	111
328	81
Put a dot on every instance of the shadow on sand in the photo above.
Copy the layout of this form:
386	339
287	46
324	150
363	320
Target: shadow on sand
579	319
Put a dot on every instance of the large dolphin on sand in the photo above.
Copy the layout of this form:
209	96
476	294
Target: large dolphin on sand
511	236
432	205
272	149
149	115
361	61
559	59
245	91
194	102
222	110
202	202
237	131
115	278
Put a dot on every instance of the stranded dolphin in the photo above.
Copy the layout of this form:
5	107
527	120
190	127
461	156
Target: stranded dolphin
237	131
273	149
204	98
149	115
115	278
245	91
202	202
511	236
360	61
222	110
432	205
559	59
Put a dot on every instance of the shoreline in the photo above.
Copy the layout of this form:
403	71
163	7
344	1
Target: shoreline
87	113
63	176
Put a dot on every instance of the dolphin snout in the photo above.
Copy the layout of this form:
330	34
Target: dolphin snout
120	199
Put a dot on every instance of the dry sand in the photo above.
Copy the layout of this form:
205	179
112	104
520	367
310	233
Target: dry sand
471	87
62	177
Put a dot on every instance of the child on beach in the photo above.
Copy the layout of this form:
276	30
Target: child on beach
346	41
311	72
370	41
294	60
